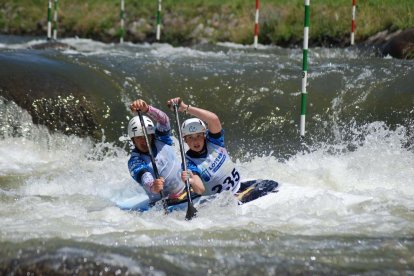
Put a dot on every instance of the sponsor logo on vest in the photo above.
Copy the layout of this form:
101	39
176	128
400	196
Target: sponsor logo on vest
205	175
217	162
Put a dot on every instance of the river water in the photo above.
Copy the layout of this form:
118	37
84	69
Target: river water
345	204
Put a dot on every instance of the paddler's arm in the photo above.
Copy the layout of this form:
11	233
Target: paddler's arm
157	185
194	180
139	171
193	177
212	120
150	184
163	122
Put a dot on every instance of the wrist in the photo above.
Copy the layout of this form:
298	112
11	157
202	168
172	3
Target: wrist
187	109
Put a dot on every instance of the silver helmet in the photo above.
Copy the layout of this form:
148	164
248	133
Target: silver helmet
135	129
193	125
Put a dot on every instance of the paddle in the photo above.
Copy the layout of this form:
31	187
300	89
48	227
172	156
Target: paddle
154	165
191	210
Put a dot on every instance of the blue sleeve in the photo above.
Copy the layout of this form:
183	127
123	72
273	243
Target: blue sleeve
164	137
192	167
137	167
217	139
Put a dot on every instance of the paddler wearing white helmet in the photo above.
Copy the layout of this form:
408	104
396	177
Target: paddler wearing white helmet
161	143
208	161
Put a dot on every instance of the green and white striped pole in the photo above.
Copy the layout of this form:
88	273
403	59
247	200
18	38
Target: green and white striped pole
122	15
305	68
49	20
55	20
159	20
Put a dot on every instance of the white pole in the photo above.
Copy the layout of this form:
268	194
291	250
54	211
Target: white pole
256	25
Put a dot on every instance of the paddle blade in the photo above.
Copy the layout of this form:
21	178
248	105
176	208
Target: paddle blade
191	212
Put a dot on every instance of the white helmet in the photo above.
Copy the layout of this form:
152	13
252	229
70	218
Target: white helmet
193	125
135	129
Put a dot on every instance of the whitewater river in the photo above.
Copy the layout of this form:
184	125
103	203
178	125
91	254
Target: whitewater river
345	205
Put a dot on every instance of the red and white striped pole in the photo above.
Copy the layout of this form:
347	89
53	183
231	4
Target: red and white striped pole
256	25
353	22
305	68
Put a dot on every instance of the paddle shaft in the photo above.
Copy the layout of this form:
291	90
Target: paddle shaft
191	210
154	165
180	141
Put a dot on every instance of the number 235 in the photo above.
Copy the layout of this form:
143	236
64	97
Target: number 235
229	182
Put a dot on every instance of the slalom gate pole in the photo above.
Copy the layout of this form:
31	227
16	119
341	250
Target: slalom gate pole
122	15
305	68
55	19
256	24
353	22
49	20
159	20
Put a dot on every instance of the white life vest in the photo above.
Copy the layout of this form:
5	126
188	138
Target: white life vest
218	172
169	167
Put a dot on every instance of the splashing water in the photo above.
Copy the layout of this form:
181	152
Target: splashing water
344	206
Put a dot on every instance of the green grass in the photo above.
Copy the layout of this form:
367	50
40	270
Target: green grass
281	21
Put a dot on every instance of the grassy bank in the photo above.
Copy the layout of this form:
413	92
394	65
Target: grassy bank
192	21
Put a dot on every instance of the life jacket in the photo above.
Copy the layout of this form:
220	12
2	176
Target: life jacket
169	167
217	170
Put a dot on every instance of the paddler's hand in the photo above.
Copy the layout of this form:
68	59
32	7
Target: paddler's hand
194	180
158	185
176	101
139	105
187	175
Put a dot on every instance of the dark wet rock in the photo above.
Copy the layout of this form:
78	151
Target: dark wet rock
399	44
61	95
68	114
380	38
54	260
67	257
63	266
